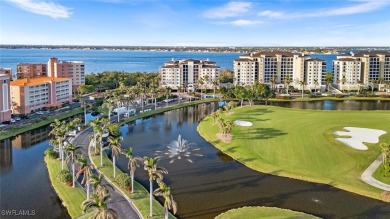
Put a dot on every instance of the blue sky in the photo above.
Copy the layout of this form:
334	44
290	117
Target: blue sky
196	22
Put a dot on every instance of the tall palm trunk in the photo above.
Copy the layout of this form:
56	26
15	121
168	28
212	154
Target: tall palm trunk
114	166
109	114
73	174
62	156
155	103
151	198
101	154
142	103
94	139
166	212
88	189
132	181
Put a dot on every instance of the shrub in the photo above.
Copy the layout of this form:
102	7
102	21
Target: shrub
123	180
283	97
64	176
339	95
385	96
51	153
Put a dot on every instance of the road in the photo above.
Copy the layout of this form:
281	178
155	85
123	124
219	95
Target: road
117	202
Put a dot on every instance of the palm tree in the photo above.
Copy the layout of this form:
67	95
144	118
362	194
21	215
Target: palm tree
116	148
328	79
133	163
85	169
96	130
73	155
287	82
100	204
200	83
215	84
273	81
109	104
315	85
98	187
228	127
155	173
59	130
167	93
165	192
302	83
104	123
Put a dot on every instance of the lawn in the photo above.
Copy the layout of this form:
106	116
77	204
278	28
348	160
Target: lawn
262	212
71	197
140	197
300	144
379	175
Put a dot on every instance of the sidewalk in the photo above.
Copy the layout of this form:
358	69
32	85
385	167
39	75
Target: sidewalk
367	175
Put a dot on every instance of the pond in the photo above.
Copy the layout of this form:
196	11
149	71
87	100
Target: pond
211	184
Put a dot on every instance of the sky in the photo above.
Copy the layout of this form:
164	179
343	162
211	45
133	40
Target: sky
196	22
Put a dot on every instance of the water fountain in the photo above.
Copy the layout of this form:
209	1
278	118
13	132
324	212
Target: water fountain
179	149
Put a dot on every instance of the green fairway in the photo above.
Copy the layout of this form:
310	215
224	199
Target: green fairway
300	144
262	212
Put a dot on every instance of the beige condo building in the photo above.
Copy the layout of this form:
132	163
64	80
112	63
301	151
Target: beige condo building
373	66
188	72
263	66
315	73
347	73
33	94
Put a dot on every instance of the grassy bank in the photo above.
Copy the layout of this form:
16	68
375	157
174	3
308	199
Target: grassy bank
300	144
379	174
19	130
299	99
71	198
262	212
165	109
140	197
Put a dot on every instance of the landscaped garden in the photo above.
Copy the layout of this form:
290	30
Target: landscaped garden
301	144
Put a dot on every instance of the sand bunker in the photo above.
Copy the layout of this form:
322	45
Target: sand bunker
242	123
358	136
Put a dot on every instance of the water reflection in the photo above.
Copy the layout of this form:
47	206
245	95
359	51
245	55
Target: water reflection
5	155
337	105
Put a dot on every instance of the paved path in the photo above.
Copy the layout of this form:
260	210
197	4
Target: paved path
367	175
118	202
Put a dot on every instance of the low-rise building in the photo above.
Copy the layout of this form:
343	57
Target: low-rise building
5	98
27	70
188	72
33	94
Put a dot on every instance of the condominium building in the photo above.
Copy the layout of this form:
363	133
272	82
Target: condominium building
347	73
5	98
315	73
67	69
36	93
187	72
27	70
374	65
6	71
264	66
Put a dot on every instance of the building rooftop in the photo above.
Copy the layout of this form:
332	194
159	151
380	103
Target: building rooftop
346	59
315	60
35	81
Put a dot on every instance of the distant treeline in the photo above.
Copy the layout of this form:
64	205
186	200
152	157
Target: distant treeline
198	49
111	79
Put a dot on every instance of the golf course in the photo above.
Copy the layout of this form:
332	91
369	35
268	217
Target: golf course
263	212
301	144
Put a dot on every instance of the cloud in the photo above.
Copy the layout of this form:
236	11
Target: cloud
362	6
231	9
243	22
43	8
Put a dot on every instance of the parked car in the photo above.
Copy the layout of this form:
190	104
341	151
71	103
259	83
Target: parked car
12	120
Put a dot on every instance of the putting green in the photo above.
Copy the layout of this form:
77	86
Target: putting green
301	144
